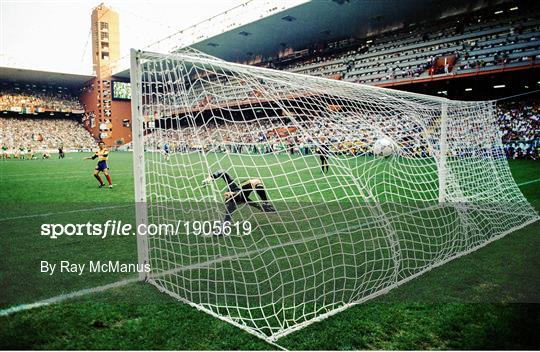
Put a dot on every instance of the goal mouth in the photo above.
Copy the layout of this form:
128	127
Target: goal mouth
348	190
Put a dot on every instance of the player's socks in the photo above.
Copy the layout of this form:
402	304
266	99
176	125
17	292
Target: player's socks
109	179
99	180
261	193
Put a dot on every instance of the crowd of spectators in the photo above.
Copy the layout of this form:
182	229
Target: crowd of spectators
31	98
520	127
40	134
344	133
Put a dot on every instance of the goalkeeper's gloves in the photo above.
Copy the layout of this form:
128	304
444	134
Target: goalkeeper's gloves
207	180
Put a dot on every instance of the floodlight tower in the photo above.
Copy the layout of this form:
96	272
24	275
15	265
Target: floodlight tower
106	118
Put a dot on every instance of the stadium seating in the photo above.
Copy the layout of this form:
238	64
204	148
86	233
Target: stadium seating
30	98
25	126
480	43
520	128
43	133
519	123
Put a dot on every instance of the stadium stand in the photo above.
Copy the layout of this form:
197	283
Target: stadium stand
31	98
519	124
520	128
484	41
40	134
26	122
450	46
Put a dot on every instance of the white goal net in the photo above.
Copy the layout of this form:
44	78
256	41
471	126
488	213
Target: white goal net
335	192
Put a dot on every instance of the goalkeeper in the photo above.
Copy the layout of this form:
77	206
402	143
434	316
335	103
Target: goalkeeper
236	195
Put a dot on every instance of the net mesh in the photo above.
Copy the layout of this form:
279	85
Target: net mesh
348	225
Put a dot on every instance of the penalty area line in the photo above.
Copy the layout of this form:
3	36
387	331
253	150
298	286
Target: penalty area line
64	297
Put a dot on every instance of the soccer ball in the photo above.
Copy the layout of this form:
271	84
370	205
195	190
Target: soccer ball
383	147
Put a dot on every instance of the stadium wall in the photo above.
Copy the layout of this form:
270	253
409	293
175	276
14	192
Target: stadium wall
118	124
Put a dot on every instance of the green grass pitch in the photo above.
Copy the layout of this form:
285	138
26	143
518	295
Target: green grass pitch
476	301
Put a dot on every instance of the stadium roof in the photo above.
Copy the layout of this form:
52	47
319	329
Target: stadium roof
326	21
323	21
19	75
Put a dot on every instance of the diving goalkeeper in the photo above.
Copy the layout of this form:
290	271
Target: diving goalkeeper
236	195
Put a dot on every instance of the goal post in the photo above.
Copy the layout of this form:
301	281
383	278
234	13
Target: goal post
138	159
333	192
443	152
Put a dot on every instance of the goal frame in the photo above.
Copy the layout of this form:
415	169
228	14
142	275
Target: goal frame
142	217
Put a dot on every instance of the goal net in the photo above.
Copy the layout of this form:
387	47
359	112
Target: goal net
349	191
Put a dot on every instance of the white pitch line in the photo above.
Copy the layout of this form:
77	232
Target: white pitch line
62	177
7	174
528	182
64	212
60	298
